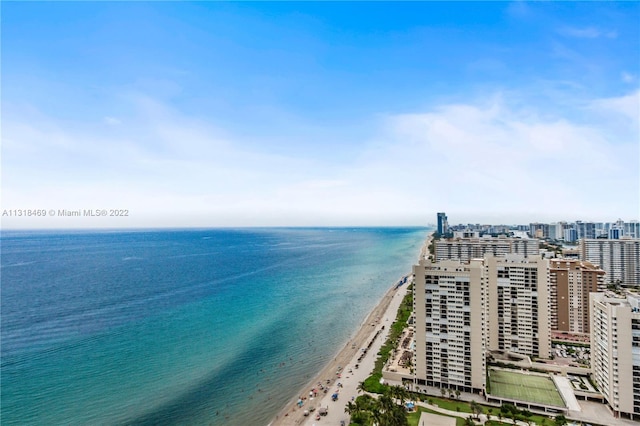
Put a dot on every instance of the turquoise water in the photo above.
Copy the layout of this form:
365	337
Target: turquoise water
218	327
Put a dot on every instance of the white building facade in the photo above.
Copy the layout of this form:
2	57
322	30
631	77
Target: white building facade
619	258
615	351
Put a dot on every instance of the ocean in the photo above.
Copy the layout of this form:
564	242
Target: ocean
182	327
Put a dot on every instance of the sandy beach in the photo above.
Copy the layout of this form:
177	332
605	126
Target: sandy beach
342	368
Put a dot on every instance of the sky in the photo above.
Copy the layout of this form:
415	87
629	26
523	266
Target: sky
318	113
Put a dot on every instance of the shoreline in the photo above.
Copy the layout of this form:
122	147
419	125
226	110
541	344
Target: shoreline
291	414
347	355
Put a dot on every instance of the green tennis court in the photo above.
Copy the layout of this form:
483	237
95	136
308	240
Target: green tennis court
524	387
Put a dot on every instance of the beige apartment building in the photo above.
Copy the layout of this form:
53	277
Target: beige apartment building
517	304
620	259
465	249
615	351
464	309
449	319
571	282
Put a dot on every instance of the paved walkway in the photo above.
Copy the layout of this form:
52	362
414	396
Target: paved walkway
436	420
566	390
595	412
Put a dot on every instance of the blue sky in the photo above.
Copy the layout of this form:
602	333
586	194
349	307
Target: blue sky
252	114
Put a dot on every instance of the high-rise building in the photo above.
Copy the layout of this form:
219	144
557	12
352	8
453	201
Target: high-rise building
449	320
539	230
466	249
570	235
443	225
616	233
463	309
600	230
585	229
571	282
615	351
518	309
632	229
620	259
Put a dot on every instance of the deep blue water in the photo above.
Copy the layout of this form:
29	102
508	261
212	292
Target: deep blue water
185	326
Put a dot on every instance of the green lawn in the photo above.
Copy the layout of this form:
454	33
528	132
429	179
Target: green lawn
448	404
524	387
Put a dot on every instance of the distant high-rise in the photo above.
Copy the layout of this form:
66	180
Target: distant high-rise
620	259
616	233
571	235
632	229
443	225
539	230
466	249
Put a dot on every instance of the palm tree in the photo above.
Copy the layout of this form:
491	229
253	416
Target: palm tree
398	416
350	408
457	394
395	392
360	387
383	411
386	402
395	412
366	402
489	413
442	392
472	405
480	411
358	410
560	420
376	415
469	421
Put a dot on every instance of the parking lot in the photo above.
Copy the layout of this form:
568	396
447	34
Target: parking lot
567	354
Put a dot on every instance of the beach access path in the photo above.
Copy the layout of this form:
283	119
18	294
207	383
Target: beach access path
384	314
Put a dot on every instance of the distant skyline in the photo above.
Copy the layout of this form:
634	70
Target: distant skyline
320	114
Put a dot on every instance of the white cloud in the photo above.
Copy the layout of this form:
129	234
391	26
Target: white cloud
488	158
112	121
587	32
627	106
519	9
483	159
627	77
